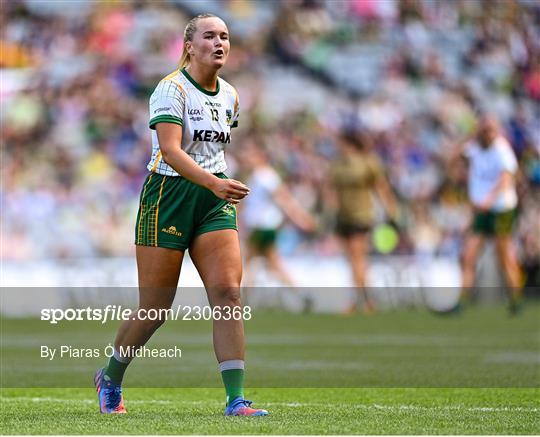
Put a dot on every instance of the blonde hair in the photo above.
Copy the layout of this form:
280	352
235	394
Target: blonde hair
189	31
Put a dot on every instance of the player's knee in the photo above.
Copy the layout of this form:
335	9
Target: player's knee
504	251
229	295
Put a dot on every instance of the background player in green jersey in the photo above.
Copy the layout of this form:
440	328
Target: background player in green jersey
187	202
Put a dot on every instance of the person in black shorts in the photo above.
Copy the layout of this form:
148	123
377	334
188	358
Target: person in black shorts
355	175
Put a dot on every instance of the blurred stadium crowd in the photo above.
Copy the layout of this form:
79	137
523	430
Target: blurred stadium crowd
76	77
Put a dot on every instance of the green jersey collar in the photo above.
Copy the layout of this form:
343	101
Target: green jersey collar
200	88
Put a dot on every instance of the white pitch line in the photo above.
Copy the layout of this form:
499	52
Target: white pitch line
409	407
80	401
296	405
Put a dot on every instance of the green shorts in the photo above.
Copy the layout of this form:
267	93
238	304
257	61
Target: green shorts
494	223
173	211
262	239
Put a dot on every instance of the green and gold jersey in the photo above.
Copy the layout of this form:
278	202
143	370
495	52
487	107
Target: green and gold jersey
205	116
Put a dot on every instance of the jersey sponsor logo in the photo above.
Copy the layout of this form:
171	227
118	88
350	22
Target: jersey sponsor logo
213	104
211	136
172	231
196	114
228	114
161	110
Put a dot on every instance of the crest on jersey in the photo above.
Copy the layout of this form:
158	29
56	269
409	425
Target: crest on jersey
228	114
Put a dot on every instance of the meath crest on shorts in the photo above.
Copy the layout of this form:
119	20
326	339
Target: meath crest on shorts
229	209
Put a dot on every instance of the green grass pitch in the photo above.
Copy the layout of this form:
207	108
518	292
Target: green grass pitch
293	411
406	372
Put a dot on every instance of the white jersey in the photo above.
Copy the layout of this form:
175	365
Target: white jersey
486	167
260	209
206	118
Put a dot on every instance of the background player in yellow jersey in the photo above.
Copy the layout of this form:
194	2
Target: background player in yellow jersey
187	202
355	175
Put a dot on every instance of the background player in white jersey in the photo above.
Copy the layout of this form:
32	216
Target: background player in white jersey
492	192
187	202
263	213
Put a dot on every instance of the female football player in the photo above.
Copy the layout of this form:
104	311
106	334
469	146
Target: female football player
356	174
188	202
492	190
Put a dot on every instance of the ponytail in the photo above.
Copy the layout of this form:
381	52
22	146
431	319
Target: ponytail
184	60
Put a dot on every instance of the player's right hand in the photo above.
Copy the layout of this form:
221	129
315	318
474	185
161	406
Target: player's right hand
230	190
308	224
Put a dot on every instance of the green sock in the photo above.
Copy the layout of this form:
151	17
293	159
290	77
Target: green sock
233	380
115	370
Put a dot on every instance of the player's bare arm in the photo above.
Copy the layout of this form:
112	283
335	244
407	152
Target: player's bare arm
170	138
